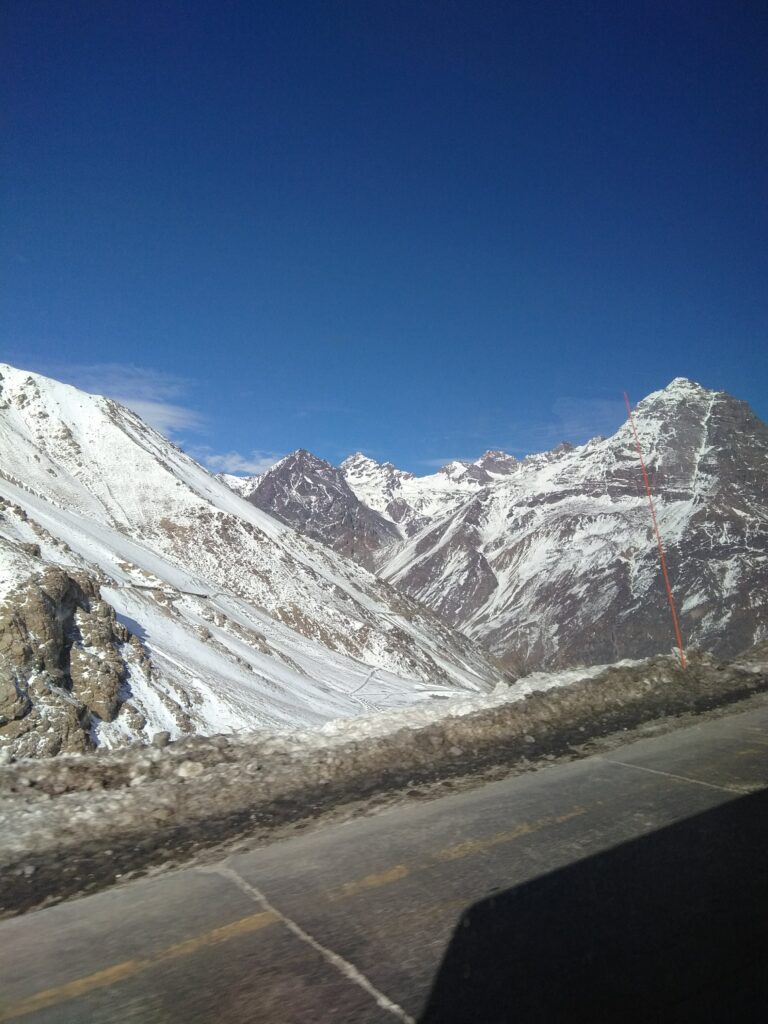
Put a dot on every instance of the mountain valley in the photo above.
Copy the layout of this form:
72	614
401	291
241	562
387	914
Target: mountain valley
141	596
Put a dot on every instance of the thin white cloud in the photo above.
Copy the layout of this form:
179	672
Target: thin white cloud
152	394
163	416
234	462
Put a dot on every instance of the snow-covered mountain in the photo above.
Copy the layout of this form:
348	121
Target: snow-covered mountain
314	497
129	572
242	485
412	501
555	561
362	508
551	561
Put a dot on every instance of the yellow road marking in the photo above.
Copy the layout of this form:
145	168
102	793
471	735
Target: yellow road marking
128	968
374	881
473	846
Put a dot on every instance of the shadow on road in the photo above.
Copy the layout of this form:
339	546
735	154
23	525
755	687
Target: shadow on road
672	927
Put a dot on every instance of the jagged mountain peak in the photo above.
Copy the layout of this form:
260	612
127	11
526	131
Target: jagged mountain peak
358	459
359	463
497	462
455	468
495	453
679	391
465	473
683	384
302	458
408	500
309	494
304	466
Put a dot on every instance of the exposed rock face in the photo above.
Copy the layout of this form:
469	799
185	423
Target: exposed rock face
497	463
60	664
314	497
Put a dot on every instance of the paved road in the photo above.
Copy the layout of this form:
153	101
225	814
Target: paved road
350	924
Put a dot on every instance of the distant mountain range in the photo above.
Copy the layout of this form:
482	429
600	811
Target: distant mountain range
551	560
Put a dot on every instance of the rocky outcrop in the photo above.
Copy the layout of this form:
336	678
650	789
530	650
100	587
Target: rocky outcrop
61	666
497	463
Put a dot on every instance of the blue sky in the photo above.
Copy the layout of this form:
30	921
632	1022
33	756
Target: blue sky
419	229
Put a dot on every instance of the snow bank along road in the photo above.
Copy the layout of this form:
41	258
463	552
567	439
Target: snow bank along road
350	924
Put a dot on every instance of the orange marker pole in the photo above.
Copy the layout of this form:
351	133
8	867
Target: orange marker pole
663	560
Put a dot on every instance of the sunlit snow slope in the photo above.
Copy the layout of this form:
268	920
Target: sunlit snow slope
246	623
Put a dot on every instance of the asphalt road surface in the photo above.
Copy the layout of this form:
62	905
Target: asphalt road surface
352	923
